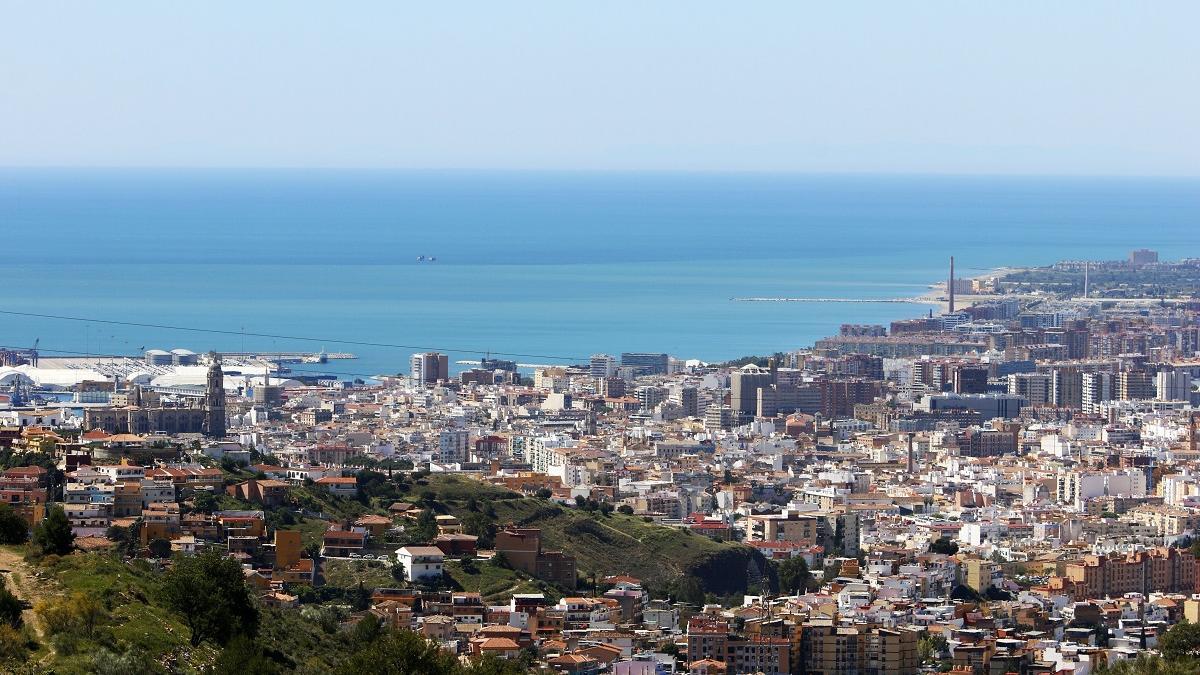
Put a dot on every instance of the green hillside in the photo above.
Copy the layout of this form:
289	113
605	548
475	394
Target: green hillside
607	544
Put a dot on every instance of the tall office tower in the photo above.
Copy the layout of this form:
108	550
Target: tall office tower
1135	385
429	367
646	363
744	386
602	366
1173	385
1097	388
214	399
1033	386
687	398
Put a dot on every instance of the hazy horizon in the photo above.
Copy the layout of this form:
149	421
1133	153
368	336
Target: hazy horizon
1027	89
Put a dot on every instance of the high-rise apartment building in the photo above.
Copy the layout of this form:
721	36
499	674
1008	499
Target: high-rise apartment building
970	379
1135	385
1097	388
429	368
610	387
687	398
648	397
1033	386
602	366
1066	388
1173	385
1159	570
646	363
744	386
1143	256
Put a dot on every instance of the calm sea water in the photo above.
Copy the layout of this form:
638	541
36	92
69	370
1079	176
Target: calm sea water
539	264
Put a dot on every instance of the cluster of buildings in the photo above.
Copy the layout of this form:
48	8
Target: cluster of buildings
1010	486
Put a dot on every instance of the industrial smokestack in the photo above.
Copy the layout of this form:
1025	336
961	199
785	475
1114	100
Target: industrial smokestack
950	286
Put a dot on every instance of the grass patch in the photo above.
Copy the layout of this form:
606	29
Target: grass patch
495	584
312	530
350	573
133	622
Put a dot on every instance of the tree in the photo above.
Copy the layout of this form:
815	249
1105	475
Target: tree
794	576
160	548
10	607
606	508
945	546
423	531
930	647
13	528
244	657
687	589
1147	664
625	509
401	653
210	593
543	493
77	612
205	502
367	630
53	535
481	526
1181	641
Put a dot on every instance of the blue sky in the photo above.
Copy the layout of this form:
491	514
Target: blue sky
1069	87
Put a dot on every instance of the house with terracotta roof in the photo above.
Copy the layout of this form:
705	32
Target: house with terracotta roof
342	543
500	647
267	492
707	667
394	614
339	486
456	544
574	664
402	510
375	526
95	436
604	653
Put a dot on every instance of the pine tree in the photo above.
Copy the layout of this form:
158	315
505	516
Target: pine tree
53	535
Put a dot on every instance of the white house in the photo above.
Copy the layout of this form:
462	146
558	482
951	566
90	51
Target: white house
420	562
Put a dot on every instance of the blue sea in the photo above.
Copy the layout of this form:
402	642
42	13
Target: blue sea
551	267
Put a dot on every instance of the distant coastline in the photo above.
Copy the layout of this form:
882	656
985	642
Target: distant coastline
937	294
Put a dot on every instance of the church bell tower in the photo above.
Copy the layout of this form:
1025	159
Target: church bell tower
214	399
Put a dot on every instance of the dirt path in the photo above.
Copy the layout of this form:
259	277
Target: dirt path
26	582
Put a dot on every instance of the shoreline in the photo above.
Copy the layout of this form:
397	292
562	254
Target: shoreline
937	294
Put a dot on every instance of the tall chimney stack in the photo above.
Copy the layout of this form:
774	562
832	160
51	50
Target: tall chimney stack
950	285
910	452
